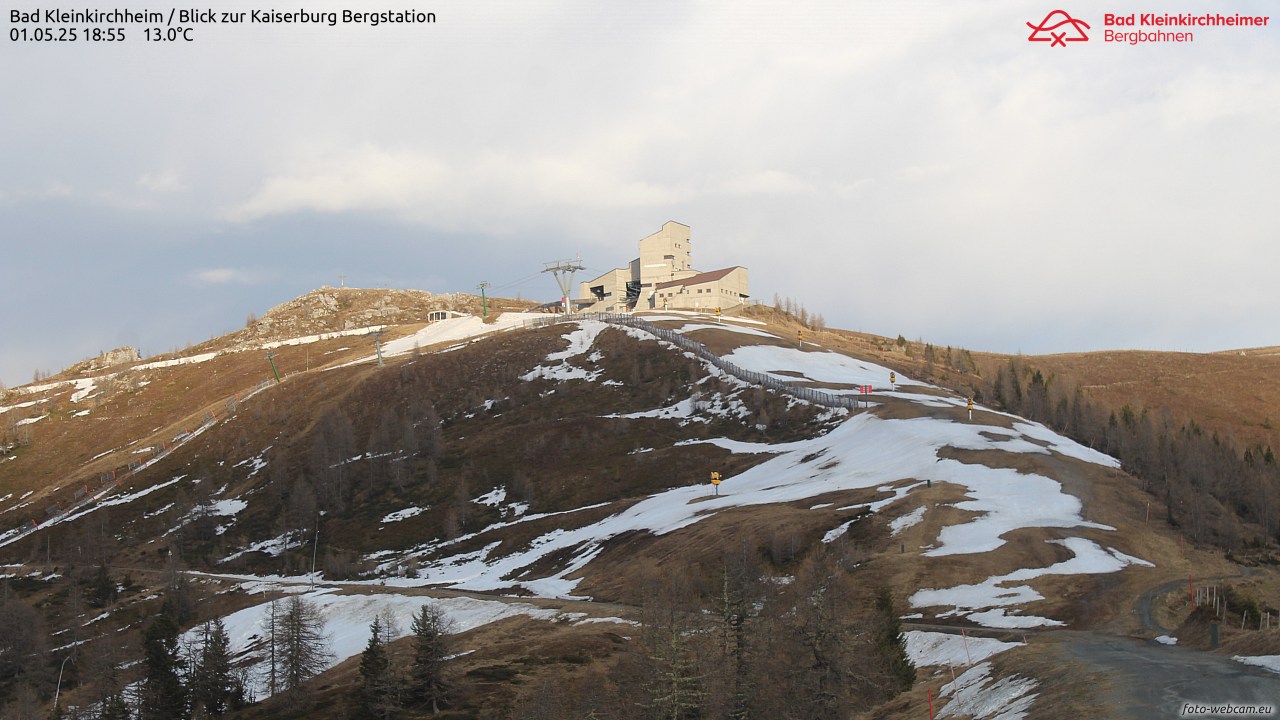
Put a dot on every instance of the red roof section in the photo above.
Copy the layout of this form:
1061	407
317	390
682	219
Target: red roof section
698	279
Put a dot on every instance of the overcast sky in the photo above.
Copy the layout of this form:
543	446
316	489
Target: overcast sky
900	167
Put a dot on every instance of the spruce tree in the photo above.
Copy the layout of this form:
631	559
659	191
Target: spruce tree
215	686
103	591
114	708
378	687
430	647
891	646
163	696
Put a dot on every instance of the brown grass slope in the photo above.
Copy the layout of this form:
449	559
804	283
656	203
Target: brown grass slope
437	431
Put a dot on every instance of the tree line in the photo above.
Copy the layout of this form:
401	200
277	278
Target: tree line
1212	490
746	644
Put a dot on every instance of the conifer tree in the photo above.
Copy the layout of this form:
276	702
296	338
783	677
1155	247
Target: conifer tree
114	708
430	648
163	696
891	646
378	695
215	687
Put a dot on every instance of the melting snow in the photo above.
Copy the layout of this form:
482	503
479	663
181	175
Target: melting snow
451	330
1088	558
190	360
997	618
728	328
915	517
84	386
824	367
1269	662
494	497
871	452
928	649
976	695
404	514
272	547
229	507
580	340
347	619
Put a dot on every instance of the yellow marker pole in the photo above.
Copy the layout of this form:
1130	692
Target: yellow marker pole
715	482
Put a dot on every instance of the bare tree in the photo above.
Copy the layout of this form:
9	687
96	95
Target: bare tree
303	650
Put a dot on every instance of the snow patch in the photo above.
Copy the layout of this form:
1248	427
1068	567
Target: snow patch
935	649
979	696
915	517
1268	662
1089	559
404	514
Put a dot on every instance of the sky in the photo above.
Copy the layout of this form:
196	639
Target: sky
901	167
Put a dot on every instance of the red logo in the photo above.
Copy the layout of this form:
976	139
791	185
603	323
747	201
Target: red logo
1051	29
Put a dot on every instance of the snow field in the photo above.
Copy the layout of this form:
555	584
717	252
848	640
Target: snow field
824	367
451	330
863	452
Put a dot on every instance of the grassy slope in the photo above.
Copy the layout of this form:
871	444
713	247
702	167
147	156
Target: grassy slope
1220	389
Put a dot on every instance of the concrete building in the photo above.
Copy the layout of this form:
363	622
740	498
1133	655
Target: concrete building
663	277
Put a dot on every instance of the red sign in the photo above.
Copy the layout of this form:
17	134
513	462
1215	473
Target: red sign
866	389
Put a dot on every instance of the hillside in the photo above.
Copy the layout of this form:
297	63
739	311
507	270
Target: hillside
545	482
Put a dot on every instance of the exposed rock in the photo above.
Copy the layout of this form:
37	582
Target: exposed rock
108	359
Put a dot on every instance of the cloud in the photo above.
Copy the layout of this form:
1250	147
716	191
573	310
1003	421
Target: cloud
227	276
913	167
165	181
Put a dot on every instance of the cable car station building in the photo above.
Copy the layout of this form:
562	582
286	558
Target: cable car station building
663	278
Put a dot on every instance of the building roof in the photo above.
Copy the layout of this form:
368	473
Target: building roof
698	279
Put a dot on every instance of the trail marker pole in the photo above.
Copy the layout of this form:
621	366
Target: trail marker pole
271	358
970	408
715	482
893	381
800	339
930	692
965	635
314	548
